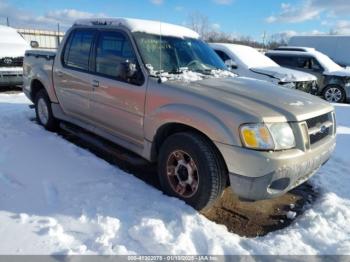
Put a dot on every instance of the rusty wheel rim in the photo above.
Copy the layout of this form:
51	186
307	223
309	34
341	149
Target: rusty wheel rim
182	174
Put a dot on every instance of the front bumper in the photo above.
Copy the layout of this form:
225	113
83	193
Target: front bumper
257	175
11	78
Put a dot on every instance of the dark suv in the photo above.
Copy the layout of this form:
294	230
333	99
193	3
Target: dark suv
333	80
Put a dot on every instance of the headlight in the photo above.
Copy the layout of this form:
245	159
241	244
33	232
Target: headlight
275	136
282	135
291	85
347	82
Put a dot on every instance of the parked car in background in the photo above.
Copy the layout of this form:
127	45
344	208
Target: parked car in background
171	100
12	49
334	46
248	62
333	81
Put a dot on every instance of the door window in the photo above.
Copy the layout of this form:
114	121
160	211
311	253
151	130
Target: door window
288	61
114	54
77	51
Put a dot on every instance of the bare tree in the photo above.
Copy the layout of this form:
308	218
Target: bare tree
202	25
199	23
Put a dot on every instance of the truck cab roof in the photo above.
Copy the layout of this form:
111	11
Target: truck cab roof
140	25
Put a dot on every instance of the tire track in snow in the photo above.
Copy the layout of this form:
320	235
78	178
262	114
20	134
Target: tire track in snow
10	181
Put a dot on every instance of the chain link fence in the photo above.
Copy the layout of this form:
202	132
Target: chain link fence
47	39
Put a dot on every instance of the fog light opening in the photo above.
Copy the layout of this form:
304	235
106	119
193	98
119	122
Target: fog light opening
280	184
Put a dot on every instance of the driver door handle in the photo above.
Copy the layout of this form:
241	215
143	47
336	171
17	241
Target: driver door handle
95	83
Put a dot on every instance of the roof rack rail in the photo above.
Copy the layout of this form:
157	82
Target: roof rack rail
294	48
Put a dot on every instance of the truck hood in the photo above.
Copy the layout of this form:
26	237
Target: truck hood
12	50
262	100
340	73
284	74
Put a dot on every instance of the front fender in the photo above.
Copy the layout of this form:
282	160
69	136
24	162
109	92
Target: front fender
333	80
194	117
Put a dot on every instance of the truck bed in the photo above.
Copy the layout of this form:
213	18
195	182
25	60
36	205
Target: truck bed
38	64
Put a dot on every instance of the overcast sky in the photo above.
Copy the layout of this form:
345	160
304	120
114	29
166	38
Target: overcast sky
240	17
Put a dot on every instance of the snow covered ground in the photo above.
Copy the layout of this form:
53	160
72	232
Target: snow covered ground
56	198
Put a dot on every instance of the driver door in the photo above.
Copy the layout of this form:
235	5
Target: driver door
117	103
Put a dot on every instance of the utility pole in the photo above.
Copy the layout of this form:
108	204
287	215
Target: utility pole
264	38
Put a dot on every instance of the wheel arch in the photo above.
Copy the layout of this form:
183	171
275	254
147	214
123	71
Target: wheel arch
35	86
168	129
41	78
338	85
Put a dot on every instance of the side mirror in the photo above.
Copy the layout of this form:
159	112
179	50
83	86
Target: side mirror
127	70
231	64
34	44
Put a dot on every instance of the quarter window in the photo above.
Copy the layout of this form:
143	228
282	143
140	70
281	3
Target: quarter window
224	57
304	62
77	53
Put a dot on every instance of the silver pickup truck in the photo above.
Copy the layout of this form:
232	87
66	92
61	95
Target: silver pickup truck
159	91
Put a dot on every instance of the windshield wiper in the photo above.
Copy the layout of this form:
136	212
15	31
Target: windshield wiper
209	71
179	70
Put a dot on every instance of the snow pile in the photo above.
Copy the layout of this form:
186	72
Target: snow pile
327	63
191	76
144	26
284	74
57	198
250	58
246	55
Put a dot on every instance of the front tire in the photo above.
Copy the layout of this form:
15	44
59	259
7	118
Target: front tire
334	94
44	112
190	168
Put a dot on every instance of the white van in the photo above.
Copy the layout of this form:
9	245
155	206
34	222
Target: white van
248	62
334	46
12	49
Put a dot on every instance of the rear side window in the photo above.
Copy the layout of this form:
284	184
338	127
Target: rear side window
113	50
289	61
77	51
224	57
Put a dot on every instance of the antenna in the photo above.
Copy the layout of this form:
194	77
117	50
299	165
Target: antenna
58	34
160	46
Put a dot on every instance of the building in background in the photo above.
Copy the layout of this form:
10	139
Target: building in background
46	39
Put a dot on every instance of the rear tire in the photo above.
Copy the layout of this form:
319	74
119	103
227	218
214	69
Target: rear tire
190	168
43	111
334	94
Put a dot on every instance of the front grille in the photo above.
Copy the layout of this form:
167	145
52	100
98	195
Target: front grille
320	127
11	62
319	136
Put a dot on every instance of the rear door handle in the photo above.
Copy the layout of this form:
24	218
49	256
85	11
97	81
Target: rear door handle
95	83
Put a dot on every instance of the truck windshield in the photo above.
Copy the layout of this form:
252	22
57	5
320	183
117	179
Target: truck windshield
173	54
